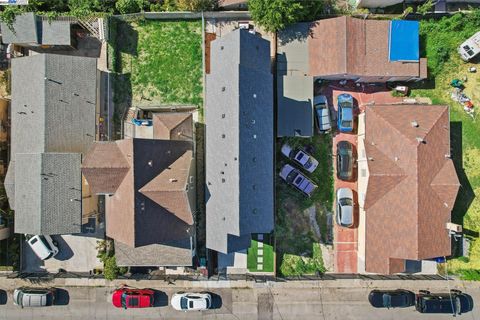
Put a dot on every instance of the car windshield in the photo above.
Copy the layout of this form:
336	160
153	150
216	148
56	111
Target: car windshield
299	156
346	202
124	300
291	176
184	303
308	164
387	301
298	180
20	298
346	104
346	123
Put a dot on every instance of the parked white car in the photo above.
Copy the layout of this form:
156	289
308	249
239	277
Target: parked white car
322	114
307	162
43	246
184	301
295	178
33	297
344	216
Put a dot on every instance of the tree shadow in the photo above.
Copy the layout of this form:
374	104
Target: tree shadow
465	195
3	297
160	298
62	297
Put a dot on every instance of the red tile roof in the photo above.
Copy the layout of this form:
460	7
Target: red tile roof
412	185
359	47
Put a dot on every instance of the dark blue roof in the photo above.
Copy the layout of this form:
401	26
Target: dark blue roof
404	41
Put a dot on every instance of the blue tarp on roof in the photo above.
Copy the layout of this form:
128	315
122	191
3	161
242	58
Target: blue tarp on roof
404	41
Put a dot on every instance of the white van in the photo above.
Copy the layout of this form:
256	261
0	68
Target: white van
43	246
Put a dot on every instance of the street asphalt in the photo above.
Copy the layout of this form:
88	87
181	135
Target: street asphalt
319	300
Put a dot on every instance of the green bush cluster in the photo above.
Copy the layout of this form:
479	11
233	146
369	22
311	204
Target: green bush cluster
293	265
469	274
441	37
106	254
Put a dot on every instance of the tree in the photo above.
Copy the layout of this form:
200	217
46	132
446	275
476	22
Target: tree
195	5
274	15
128	6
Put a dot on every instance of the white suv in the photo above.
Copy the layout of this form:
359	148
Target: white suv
43	246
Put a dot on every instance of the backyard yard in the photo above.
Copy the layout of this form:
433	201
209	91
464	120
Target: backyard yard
440	40
156	63
298	230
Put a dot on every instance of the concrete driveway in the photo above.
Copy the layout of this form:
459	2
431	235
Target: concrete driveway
346	240
77	253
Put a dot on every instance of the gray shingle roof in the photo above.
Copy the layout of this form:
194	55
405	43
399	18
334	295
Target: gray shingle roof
29	28
178	253
53	111
239	141
295	106
292	55
48	193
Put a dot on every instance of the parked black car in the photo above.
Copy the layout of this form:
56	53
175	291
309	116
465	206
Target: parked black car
391	298
345	160
453	303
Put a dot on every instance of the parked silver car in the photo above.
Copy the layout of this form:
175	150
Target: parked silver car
297	179
323	118
184	301
33	297
307	162
344	215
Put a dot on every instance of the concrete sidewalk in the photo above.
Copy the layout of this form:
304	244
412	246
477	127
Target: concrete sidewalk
10	284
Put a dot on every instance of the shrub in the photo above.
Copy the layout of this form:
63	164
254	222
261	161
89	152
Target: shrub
127	6
469	274
110	269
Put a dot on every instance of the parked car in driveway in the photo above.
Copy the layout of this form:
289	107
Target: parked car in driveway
454	303
43	246
344	215
307	162
391	298
345	112
322	114
184	301
294	177
127	298
33	297
344	160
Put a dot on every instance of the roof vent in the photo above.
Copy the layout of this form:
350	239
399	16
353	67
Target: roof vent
372	143
396	158
223	88
449	156
414	124
370	159
150	163
420	139
172	180
254	95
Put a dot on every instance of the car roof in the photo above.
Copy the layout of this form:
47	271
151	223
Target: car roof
39	247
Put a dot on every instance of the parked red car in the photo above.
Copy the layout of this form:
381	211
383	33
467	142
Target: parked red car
132	298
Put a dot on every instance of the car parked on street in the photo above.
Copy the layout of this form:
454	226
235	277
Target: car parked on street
127	298
184	301
454	303
307	162
294	177
33	297
344	161
43	246
323	118
345	112
344	216
391	298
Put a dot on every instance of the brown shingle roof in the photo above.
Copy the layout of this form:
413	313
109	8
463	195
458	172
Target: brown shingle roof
347	45
412	185
133	218
104	167
173	126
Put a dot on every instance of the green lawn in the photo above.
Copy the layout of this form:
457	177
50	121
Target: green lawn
161	61
439	42
268	254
